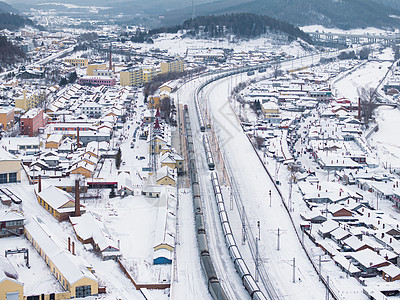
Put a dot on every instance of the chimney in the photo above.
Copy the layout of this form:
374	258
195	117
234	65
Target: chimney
369	215
69	244
379	222
383	225
73	248
77	137
39	183
110	62
383	235
77	199
119	244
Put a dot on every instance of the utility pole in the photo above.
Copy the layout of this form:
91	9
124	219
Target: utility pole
279	235
327	288
257	251
231	199
319	267
243	227
270	197
294	270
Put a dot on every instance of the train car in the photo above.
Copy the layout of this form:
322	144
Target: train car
230	240
258	295
250	284
221	206
223	216
210	161
234	253
241	268
203	246
226	228
207	149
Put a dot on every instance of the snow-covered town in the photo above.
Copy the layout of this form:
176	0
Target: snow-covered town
183	166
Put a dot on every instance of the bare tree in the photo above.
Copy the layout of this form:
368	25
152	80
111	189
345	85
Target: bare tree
368	99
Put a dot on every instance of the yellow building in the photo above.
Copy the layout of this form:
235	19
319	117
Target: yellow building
69	270
30	100
132	77
54	141
172	160
90	68
83	168
166	176
57	202
149	73
270	108
176	65
7	117
77	62
158	144
10	287
10	167
154	102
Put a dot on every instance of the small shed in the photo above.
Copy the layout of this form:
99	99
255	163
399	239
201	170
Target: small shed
390	273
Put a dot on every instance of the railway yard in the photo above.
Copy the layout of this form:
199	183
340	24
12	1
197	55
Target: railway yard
266	176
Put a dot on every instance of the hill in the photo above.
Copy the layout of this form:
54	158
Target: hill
9	53
243	25
11	21
6	8
344	14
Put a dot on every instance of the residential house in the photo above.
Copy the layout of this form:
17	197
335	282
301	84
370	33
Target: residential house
11	223
368	261
166	176
54	141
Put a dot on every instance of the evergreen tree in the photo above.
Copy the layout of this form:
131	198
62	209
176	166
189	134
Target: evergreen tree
63	81
118	158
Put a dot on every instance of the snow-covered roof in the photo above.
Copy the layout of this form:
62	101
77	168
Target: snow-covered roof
346	264
391	270
69	265
165	228
11	216
55	138
86	227
55	197
368	258
6	156
7	271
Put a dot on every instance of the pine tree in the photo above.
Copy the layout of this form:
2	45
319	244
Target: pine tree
118	158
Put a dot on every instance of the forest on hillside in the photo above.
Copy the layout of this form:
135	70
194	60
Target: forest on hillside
242	25
9	53
12	21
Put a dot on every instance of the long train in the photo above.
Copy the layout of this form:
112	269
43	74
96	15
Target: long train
214	286
240	265
241	268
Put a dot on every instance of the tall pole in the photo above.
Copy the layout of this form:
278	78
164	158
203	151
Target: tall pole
279	235
243	228
327	288
294	270
256	262
319	267
257	251
270	198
